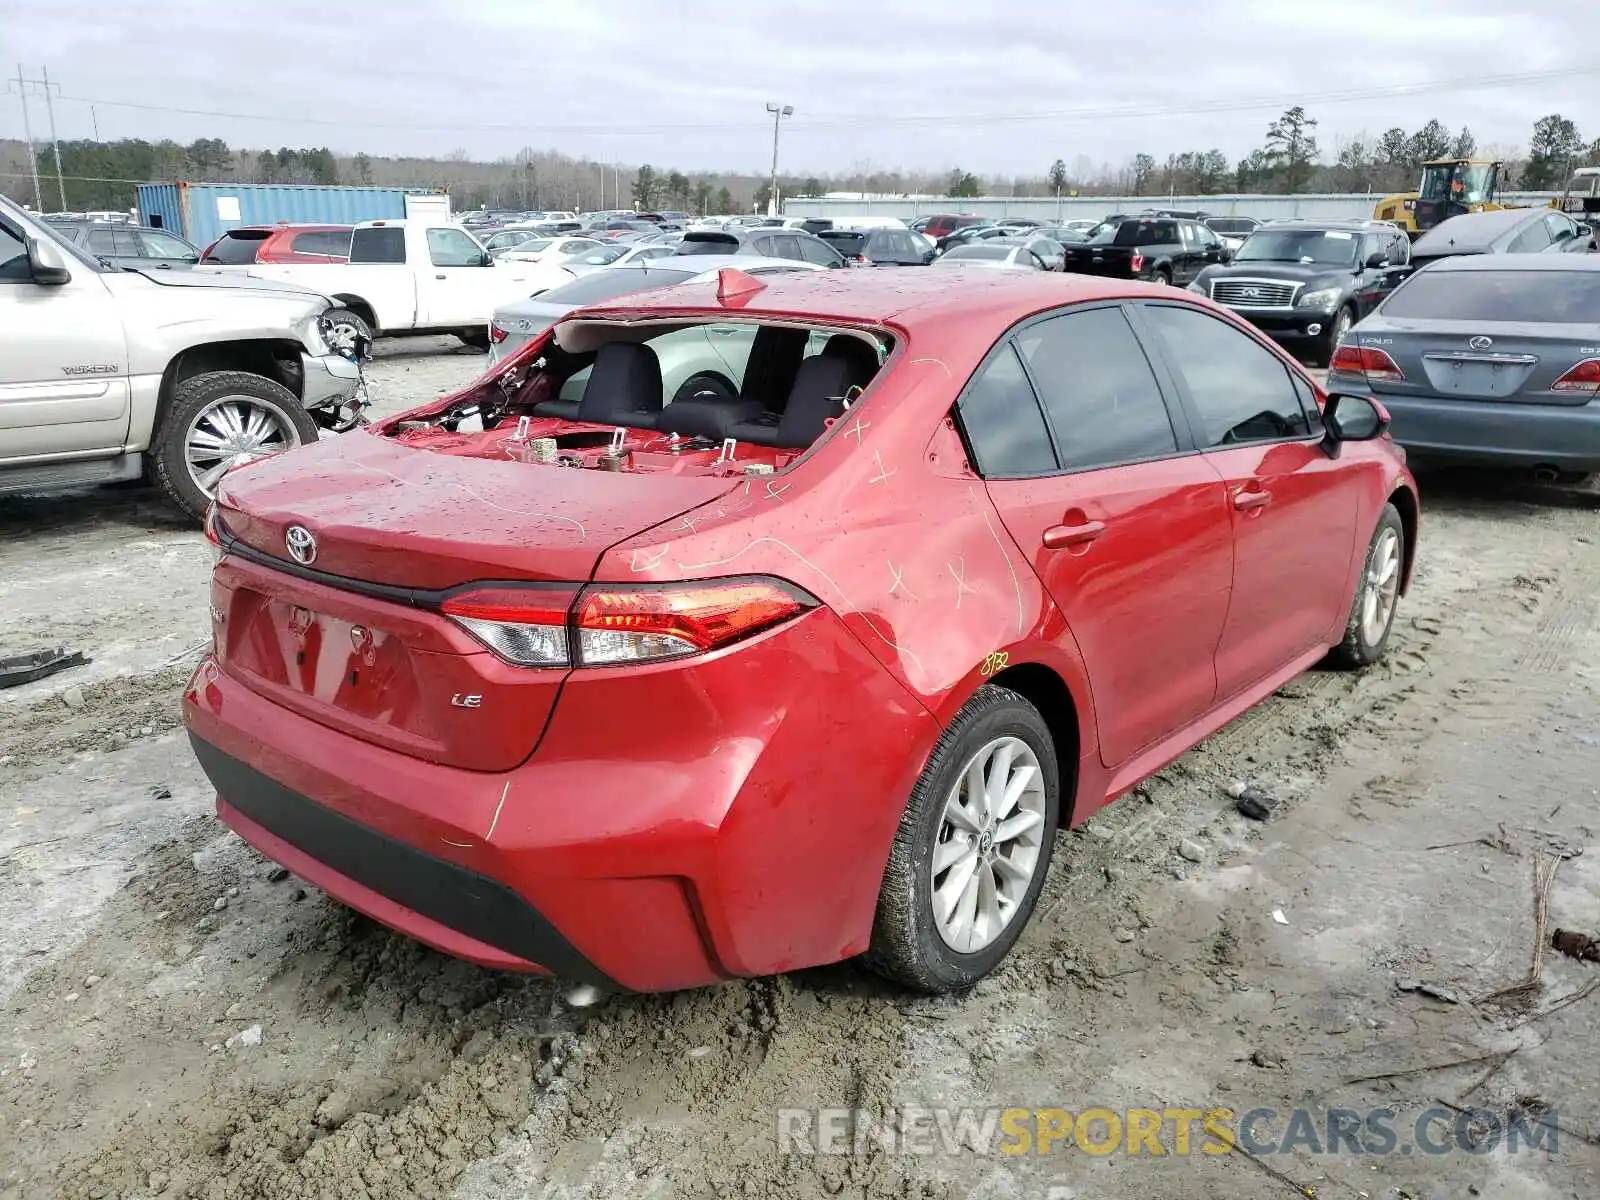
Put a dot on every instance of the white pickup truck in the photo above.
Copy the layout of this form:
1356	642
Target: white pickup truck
411	276
108	374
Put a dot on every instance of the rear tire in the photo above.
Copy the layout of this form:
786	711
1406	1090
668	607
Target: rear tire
1163	277
1377	597
209	402
911	944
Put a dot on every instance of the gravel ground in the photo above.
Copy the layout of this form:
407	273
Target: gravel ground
180	1021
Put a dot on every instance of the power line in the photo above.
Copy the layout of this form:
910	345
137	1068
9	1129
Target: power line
875	120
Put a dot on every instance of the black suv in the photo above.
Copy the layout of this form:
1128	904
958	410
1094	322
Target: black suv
1304	283
879	247
770	243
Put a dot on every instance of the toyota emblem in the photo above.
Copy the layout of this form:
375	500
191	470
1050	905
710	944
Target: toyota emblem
302	546
1480	342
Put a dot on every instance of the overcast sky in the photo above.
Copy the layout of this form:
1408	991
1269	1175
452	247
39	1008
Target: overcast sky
923	84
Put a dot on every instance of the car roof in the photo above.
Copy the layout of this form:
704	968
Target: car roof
1516	262
1479	229
1356	225
909	298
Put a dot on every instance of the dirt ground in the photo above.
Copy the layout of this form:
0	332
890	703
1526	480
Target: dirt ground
178	1019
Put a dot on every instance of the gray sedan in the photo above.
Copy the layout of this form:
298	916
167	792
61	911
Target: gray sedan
1004	256
1487	359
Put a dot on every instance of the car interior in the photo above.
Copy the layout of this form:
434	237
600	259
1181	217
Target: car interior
667	396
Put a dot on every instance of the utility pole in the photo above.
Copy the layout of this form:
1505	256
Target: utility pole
94	119
55	146
27	133
778	113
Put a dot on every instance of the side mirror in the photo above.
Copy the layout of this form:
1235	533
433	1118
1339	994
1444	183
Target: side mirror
45	263
1399	272
1349	418
1376	260
486	259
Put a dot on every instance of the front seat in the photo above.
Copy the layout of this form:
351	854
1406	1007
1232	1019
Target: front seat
624	388
818	397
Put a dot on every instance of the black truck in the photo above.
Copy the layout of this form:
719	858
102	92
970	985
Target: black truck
1159	249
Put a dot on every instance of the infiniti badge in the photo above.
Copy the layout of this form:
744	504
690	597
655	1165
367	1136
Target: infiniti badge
1480	342
302	546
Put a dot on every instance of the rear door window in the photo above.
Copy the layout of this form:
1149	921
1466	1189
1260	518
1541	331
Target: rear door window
1003	422
322	242
1534	238
1098	389
786	245
1240	391
237	247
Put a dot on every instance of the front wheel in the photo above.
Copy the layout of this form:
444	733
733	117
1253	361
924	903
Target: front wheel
1341	326
220	420
346	331
1371	621
973	847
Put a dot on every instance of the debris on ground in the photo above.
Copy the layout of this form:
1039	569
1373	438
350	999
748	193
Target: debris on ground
1423	987
1252	801
1267	1060
1192	850
1544	877
41	664
1277	915
245	1037
1581	946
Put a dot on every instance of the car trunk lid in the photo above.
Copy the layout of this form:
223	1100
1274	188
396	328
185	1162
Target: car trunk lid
1461	360
349	631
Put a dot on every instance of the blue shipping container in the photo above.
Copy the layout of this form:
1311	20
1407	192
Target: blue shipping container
202	212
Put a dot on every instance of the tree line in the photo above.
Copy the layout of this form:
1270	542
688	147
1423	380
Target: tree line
104	175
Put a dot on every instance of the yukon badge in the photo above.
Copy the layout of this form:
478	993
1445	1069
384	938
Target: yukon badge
301	545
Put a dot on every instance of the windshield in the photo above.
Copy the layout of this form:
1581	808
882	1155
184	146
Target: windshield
600	258
1331	247
1465	183
1543	297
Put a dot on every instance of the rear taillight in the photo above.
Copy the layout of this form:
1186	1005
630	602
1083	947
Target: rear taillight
523	625
612	624
1136	263
1373	364
1583	379
213	538
496	334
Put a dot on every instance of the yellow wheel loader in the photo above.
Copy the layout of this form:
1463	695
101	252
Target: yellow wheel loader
1450	186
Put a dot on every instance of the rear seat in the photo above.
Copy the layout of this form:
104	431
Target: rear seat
624	388
818	396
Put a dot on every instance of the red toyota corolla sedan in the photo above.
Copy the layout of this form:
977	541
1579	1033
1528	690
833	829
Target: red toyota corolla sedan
564	673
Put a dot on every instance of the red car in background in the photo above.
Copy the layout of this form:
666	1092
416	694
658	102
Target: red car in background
555	675
944	224
281	244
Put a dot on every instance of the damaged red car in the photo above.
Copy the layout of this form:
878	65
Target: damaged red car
645	688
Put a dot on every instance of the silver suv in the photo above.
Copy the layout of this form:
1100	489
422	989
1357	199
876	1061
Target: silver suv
108	373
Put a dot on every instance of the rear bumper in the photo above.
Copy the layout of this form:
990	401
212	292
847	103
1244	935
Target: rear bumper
678	825
1498	434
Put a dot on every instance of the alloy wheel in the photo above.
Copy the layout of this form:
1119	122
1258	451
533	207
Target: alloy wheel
989	844
231	431
1381	587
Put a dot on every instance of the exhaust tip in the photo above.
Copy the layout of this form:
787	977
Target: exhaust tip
1546	474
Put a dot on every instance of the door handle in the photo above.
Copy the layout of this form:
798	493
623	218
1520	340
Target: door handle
438	276
1246	499
1059	537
